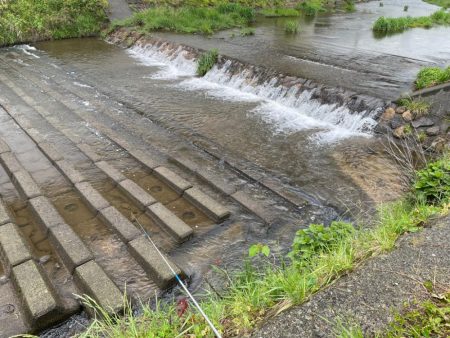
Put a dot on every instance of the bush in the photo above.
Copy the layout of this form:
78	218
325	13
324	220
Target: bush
291	27
206	61
433	182
431	76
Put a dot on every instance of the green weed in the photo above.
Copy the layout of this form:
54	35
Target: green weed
431	76
248	31
206	61
417	107
291	27
442	3
311	7
279	12
433	182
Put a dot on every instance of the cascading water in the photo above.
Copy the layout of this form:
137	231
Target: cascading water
288	108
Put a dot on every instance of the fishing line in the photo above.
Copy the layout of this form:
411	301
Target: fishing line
211	325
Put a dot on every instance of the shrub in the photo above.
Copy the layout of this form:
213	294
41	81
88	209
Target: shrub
291	27
431	76
433	182
206	61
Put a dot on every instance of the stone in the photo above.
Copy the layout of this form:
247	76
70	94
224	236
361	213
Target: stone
399	132
433	131
407	116
4	214
388	114
46	214
165	218
111	172
10	163
13	248
422	122
119	224
94	282
89	152
210	207
172	180
69	172
70	247
25	184
144	158
4	148
400	110
38	299
397	121
91	197
382	128
254	207
50	151
148	257
139	196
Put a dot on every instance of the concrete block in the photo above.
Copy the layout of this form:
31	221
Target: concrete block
10	163
111	172
69	172
4	214
70	247
92	197
172	180
254	207
210	207
146	255
94	282
50	151
45	213
13	248
165	218
25	184
119	224
36	135
139	196
4	148
39	301
144	158
89	152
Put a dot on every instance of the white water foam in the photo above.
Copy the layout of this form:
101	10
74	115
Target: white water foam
286	109
26	49
173	65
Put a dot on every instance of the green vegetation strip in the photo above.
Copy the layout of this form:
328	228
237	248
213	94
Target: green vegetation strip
31	20
432	76
397	25
319	255
442	3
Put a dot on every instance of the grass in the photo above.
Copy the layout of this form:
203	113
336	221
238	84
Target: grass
291	27
205	20
247	31
416	106
442	3
27	21
263	288
279	12
312	7
206	61
349	6
385	25
432	76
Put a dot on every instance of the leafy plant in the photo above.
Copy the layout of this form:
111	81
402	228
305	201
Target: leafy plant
431	76
206	61
291	27
317	238
257	249
433	182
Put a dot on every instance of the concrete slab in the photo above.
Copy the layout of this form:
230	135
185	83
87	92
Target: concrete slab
69	172
89	152
210	207
70	247
94	282
92	197
111	172
10	163
176	182
50	151
4	148
39	301
45	213
36	135
253	206
25	184
119	224
12	319
147	256
4	214
13	248
165	218
138	195
143	158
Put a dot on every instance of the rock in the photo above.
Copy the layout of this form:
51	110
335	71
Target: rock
388	114
422	122
407	116
445	125
397	121
3	280
399	132
44	259
433	131
382	128
400	110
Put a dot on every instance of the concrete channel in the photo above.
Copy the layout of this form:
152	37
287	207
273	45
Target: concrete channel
95	249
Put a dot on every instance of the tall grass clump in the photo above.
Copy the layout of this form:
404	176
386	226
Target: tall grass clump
385	25
311	7
205	20
416	106
431	76
291	27
349	6
28	20
279	12
206	61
